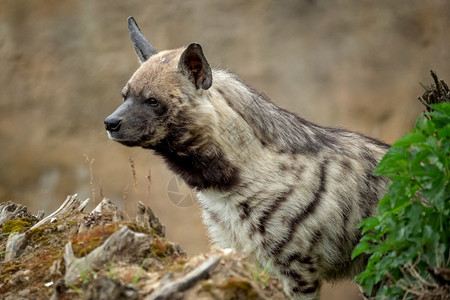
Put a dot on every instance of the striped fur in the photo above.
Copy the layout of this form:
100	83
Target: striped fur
272	185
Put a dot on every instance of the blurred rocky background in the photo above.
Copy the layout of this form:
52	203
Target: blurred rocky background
347	63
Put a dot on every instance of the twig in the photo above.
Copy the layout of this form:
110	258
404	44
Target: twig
406	277
418	277
437	83
444	86
182	284
423	102
71	203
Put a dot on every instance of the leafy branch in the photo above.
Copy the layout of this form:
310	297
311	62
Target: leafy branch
407	243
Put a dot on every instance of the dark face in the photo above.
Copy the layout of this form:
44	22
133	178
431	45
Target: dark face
139	121
157	94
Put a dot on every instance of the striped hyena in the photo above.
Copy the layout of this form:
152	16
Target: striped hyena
272	185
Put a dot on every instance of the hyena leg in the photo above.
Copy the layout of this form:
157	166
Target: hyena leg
302	290
301	284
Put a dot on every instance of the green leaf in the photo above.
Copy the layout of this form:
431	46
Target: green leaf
444	133
360	248
412	138
443	108
384	205
435	192
427	127
393	163
369	224
412	226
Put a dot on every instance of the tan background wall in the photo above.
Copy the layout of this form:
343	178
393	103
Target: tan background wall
354	64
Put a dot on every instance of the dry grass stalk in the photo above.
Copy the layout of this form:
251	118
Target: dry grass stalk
149	183
91	173
133	173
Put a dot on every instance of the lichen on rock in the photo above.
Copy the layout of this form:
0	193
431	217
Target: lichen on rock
71	254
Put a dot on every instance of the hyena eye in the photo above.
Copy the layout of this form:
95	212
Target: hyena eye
152	102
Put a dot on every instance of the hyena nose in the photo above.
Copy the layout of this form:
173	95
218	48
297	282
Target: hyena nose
112	123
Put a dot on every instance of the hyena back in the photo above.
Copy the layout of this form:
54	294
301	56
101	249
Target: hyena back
272	185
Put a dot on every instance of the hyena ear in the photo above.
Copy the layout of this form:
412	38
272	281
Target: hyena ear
195	66
143	47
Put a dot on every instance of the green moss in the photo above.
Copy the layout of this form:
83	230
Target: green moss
207	287
232	289
136	228
84	243
13	268
176	265
235	288
157	249
160	248
8	270
18	225
39	236
211	290
88	246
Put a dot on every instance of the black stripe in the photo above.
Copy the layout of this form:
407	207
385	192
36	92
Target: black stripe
368	194
272	209
244	210
295	257
316	237
300	258
214	216
306	290
295	276
283	167
377	142
299	172
221	92
323	175
369	157
303	215
346	165
346	209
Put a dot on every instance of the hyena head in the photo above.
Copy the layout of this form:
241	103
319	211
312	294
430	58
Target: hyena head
166	108
159	93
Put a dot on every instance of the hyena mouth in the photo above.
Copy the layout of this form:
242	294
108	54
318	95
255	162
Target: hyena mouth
130	143
140	142
123	141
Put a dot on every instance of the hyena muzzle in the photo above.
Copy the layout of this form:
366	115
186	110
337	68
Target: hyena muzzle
272	185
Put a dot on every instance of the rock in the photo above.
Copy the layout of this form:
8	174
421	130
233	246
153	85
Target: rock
23	292
105	288
121	260
116	248
10	210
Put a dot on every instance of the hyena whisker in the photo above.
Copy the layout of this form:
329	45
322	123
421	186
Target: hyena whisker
272	185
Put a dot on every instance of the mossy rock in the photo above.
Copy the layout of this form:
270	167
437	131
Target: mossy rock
19	225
